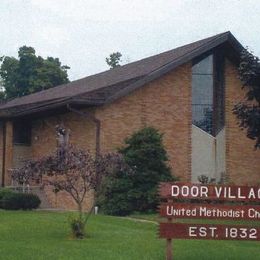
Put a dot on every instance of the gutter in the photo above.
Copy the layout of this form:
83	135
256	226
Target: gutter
52	105
93	119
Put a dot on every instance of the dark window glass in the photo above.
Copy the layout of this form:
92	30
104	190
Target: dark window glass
202	117
22	133
202	90
202	94
204	66
208	93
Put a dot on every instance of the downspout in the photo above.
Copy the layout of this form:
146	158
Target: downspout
89	116
4	146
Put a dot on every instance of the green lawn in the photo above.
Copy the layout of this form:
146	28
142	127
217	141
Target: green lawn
45	235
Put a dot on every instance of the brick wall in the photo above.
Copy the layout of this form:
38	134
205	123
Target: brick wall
164	104
242	161
44	142
43	133
21	153
62	200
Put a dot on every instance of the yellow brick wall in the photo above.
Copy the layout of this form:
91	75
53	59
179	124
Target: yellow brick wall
44	139
44	142
242	161
165	104
21	153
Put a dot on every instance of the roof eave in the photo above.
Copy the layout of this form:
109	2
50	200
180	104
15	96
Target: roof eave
78	102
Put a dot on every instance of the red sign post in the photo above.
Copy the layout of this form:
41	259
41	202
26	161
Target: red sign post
208	207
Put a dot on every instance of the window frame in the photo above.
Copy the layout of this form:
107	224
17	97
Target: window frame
218	84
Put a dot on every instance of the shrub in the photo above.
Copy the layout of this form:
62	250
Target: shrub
124	192
144	151
4	192
15	201
115	199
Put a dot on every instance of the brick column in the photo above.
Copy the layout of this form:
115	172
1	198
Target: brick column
1	152
8	151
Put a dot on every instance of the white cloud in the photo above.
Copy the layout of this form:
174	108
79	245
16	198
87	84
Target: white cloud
113	10
83	32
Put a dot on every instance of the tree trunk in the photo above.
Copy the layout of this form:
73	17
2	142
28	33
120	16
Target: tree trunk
80	210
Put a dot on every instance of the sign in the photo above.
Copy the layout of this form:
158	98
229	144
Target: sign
210	211
209	192
199	201
209	231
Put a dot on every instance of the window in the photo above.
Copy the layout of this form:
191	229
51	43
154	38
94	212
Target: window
208	94
22	133
202	94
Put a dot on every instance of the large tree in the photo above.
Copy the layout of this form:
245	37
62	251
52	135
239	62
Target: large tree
248	111
30	73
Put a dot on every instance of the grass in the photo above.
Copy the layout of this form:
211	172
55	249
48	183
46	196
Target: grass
45	235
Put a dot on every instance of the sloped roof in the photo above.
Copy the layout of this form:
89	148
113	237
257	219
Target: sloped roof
109	85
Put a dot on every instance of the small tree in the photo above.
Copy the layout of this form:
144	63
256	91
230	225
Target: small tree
72	170
137	190
114	60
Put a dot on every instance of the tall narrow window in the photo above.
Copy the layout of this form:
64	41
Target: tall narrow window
208	93
202	94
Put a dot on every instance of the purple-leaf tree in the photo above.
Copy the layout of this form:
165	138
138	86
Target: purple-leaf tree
72	170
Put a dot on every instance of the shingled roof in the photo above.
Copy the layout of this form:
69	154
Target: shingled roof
112	84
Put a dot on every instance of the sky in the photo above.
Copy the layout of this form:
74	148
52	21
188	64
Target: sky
82	33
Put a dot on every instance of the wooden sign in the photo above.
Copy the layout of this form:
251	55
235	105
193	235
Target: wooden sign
210	211
209	192
212	194
209	231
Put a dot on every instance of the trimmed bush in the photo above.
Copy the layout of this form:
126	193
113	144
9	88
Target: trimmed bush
15	201
124	192
4	192
115	199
